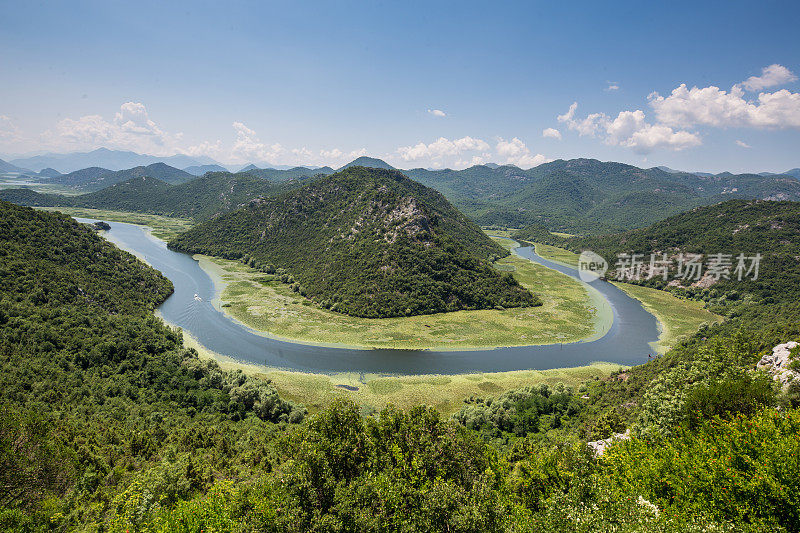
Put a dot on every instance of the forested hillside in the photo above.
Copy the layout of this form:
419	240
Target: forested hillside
733	228
367	242
96	394
201	198
763	307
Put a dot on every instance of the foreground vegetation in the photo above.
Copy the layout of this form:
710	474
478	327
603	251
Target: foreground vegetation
96	393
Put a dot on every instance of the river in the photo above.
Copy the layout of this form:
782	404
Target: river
626	342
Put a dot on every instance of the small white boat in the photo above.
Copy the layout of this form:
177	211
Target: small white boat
197	298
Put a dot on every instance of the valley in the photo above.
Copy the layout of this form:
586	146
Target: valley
379	267
241	330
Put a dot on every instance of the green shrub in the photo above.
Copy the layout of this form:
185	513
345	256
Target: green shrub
745	394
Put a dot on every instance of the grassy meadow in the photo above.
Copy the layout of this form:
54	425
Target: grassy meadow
557	255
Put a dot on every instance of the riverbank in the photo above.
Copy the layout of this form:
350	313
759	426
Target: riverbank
164	228
570	312
446	393
678	318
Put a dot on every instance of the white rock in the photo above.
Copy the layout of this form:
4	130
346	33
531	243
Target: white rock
599	446
777	364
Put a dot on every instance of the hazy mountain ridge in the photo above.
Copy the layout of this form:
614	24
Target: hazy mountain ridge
199	170
5	166
103	157
576	196
94	180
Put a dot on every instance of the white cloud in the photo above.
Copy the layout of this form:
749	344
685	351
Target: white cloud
629	129
132	118
440	148
742	144
612	86
8	130
686	108
244	130
206	148
303	153
437	112
712	106
770	77
130	129
335	153
514	152
248	147
475	160
551	133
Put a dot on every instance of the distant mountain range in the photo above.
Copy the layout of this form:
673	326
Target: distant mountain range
574	196
96	178
105	158
121	160
199	170
591	196
8	167
201	198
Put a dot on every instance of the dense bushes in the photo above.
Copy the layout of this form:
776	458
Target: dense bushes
742	471
93	387
744	394
520	412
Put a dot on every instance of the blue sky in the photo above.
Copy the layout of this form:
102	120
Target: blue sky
321	82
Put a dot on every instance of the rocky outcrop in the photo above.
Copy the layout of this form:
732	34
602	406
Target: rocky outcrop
777	364
599	446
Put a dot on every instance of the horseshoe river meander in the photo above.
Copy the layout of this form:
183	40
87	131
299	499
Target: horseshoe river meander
626	342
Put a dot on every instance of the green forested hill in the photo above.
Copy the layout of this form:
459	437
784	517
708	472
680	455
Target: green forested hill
199	170
79	178
590	196
368	162
769	228
367	242
200	198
